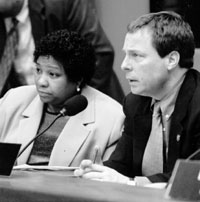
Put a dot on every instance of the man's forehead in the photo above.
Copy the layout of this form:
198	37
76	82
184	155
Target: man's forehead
139	36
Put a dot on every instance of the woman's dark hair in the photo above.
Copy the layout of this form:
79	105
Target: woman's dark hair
72	51
169	33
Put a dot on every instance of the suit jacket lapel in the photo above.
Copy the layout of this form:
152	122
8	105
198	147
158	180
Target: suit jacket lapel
74	134
28	127
183	99
69	142
142	127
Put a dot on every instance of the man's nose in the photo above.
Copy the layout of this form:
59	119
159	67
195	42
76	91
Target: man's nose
126	64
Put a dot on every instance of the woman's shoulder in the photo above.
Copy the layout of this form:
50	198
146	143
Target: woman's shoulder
100	99
21	93
24	89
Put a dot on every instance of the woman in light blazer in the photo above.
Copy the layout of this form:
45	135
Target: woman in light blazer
64	65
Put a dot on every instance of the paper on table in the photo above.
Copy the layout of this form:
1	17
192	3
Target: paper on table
31	167
158	185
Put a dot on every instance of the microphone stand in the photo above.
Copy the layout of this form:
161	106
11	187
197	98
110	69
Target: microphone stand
57	117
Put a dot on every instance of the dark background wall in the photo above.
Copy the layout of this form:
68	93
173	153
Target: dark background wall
189	9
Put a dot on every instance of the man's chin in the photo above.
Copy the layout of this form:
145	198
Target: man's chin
137	92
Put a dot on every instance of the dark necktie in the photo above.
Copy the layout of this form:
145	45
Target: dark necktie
153	159
9	53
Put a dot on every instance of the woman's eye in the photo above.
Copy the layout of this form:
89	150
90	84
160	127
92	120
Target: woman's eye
38	70
54	75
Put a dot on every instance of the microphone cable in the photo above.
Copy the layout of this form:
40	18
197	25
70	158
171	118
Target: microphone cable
57	117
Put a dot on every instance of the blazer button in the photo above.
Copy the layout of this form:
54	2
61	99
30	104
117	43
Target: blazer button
178	137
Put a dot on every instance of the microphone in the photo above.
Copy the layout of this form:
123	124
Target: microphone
73	106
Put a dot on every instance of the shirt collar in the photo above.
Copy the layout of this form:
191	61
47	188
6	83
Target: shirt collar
22	15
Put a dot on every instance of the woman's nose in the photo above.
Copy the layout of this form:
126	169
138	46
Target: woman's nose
42	80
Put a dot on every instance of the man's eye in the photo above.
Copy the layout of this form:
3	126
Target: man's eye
135	55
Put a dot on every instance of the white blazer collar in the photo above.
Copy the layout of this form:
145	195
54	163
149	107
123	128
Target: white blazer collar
28	126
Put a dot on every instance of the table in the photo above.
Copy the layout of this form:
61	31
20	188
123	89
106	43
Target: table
53	186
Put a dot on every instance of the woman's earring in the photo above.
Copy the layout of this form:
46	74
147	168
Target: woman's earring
78	89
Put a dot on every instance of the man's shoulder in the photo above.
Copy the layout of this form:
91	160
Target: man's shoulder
194	74
191	84
134	104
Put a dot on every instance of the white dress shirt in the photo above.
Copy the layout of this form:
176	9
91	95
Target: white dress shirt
24	59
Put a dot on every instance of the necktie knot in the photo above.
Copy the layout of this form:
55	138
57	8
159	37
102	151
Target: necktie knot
157	110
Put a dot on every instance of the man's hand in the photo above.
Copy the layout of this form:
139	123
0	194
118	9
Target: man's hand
88	170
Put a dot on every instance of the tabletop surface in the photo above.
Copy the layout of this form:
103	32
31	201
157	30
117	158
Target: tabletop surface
63	186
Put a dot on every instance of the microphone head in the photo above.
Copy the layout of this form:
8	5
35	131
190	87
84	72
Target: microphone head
74	105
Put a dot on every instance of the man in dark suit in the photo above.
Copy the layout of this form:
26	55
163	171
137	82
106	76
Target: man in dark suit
159	49
39	17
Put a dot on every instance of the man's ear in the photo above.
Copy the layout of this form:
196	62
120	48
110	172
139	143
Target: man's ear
173	59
